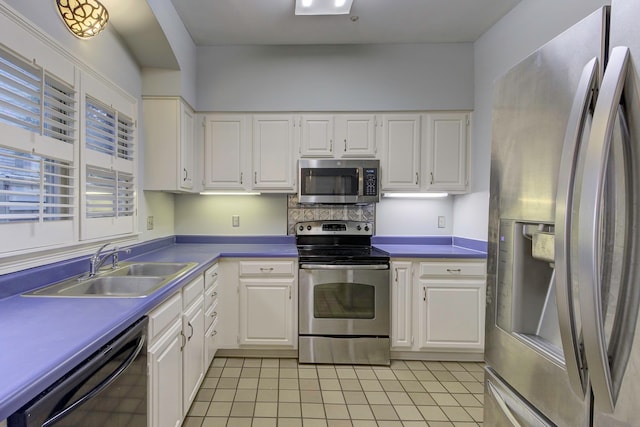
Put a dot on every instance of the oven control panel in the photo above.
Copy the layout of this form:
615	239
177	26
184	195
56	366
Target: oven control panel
347	228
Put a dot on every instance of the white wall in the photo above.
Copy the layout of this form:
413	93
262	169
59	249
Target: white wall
335	78
409	217
524	29
211	215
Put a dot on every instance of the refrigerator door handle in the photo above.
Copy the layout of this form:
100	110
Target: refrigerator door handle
598	147
569	333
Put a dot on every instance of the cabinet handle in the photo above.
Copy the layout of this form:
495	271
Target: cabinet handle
416	178
431	177
255	177
331	145
454	270
213	295
424	297
186	174
214	333
289	292
396	278
190	336
184	341
268	270
214	314
345	145
241	177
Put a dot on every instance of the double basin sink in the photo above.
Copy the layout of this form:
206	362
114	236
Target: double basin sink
128	280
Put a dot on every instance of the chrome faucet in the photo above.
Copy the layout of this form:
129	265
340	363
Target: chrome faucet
99	258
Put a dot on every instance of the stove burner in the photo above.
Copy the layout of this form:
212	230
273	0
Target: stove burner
344	242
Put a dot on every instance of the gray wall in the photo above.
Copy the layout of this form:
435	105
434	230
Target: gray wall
335	78
527	27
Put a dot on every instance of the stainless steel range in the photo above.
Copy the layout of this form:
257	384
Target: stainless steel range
344	294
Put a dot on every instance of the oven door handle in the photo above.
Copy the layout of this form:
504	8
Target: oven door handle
344	267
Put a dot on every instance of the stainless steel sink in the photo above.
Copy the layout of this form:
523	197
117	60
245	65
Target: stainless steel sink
130	280
161	269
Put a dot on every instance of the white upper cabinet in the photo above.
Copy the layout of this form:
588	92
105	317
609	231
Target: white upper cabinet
447	146
400	136
355	135
227	152
169	145
317	135
275	139
338	135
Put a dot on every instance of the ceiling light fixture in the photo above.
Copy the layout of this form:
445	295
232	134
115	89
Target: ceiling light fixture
323	7
84	18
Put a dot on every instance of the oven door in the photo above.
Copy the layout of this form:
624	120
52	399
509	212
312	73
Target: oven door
344	300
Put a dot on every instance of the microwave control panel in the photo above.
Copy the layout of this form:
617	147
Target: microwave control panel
370	182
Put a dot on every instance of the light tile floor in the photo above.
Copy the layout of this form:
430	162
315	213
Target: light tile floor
241	392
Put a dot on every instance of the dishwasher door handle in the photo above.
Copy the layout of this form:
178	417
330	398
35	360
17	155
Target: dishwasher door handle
344	267
97	389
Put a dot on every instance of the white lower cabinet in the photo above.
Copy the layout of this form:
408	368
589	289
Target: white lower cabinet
268	310
193	354
438	305
211	341
176	355
261	310
166	342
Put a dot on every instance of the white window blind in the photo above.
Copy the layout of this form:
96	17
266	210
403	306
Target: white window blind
109	179
108	131
36	174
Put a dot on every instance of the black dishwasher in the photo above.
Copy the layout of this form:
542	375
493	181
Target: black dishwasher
108	389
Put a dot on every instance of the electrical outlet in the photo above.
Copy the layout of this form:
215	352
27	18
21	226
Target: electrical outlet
235	220
150	223
441	222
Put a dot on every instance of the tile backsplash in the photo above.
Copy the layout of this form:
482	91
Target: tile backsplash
297	212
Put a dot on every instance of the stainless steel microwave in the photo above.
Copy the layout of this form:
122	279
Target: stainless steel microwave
338	181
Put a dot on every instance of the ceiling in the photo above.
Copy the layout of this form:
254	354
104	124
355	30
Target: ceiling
262	22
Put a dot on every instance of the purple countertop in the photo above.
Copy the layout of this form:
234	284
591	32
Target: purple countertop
43	338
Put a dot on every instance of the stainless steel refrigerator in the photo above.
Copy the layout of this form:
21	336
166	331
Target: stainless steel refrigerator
563	290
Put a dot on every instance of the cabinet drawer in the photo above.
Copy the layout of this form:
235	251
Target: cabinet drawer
452	269
192	291
210	296
266	268
162	316
211	315
211	276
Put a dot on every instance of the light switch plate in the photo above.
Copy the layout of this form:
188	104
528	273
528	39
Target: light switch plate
235	220
442	222
150	223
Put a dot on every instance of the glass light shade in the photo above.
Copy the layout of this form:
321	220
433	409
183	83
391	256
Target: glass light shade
323	7
84	18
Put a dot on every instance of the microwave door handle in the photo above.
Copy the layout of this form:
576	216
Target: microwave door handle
563	241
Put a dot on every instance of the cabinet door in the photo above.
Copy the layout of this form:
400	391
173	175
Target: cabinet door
187	142
169	141
193	354
165	378
400	136
446	156
273	152
226	152
451	314
316	139
266	311
401	302
355	135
